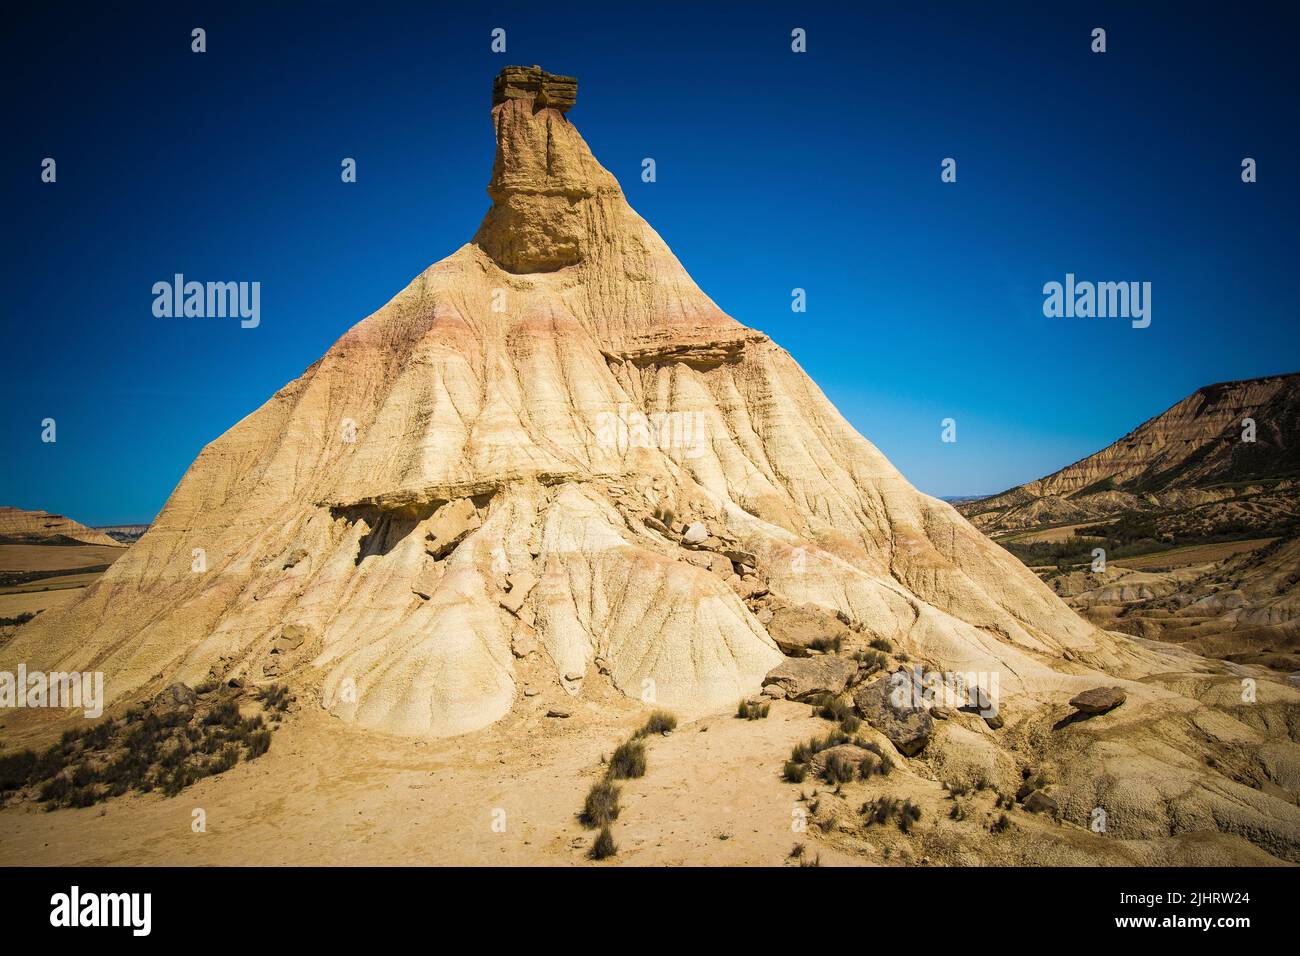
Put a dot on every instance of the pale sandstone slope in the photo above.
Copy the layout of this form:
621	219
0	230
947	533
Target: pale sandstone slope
377	569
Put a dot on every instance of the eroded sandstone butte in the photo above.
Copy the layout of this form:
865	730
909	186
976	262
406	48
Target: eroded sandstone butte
553	448
481	428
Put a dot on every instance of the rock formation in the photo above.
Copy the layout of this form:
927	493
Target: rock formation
1191	456
1244	608
1185	477
535	85
553	457
40	527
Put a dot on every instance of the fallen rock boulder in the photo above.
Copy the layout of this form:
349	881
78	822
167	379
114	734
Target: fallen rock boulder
294	557
851	754
890	706
1098	700
803	678
176	696
523	643
290	639
805	627
426	582
521	585
740	556
449	526
655	524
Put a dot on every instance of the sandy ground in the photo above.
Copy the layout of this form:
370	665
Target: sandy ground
326	794
30	597
51	557
61	582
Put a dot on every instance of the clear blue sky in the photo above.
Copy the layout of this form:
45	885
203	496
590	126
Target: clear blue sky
775	170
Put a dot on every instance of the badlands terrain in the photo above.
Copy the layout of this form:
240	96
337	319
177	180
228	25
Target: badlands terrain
1198	511
47	560
550	560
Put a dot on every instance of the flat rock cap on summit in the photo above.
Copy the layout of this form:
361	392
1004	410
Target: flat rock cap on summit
532	82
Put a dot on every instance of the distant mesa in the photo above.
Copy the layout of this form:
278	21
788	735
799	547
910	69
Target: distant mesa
18	526
123	533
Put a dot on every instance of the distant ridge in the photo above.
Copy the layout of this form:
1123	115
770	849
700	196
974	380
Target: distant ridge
1193	453
18	526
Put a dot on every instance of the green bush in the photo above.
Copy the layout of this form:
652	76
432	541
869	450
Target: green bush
55	789
886	808
83	797
228	757
143	750
224	714
871	661
908	814
275	698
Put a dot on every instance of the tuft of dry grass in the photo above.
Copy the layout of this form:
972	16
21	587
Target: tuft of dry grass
628	761
601	806
162	748
604	845
660	722
795	772
838	769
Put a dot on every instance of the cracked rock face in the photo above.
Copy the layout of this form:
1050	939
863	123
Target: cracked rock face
452	503
885	703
